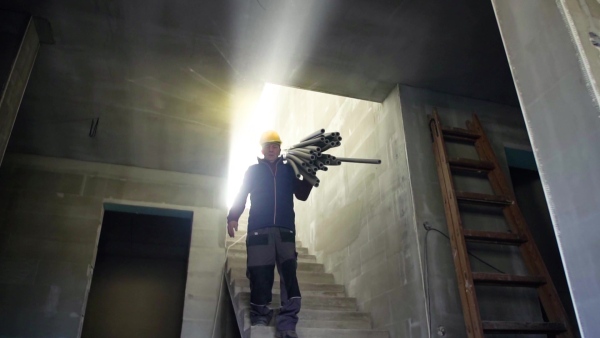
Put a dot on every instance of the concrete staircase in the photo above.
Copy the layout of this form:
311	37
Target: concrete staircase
326	311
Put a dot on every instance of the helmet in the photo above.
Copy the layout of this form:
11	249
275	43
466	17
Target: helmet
269	136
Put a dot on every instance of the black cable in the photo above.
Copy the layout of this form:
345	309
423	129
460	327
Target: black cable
427	282
429	228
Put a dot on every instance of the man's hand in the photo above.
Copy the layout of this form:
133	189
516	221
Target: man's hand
230	228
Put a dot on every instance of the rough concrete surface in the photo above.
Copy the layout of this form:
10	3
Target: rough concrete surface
50	219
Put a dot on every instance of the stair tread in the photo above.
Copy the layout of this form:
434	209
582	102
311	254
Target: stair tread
521	327
242	250
265	331
230	241
239	254
493	237
244	282
242	246
302	266
303	276
474	197
507	280
308	302
327	315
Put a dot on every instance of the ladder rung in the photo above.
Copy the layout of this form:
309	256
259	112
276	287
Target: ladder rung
484	278
521	327
493	237
473	197
459	134
465	164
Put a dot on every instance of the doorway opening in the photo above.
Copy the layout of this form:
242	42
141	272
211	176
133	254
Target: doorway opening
140	272
530	196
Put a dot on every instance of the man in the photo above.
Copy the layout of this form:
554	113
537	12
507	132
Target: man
271	236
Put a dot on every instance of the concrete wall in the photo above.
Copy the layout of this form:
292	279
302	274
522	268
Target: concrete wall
365	222
50	217
583	22
504	126
563	121
360	221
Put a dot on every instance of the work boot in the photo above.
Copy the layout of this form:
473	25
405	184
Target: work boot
260	321
286	334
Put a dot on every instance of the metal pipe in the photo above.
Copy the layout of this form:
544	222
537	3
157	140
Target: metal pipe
324	168
309	142
301	155
359	160
313	135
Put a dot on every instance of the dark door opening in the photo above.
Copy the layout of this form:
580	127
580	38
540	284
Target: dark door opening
532	202
138	285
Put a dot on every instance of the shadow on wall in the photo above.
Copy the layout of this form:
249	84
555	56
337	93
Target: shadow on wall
530	196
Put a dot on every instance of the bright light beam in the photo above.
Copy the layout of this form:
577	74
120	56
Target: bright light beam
246	133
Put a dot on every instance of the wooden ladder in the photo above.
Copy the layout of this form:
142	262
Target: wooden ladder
519	236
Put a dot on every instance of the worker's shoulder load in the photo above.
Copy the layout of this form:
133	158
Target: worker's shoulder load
308	155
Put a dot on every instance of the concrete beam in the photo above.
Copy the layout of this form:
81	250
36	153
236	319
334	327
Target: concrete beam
14	87
563	122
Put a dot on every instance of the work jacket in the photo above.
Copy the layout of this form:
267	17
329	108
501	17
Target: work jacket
272	188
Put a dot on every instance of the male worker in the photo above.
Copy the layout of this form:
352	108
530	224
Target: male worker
271	236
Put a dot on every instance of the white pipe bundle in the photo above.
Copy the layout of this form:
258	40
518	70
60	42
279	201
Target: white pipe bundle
308	156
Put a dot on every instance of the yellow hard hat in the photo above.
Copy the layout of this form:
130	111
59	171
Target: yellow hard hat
269	136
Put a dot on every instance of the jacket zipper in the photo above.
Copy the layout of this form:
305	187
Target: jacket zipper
275	188
275	192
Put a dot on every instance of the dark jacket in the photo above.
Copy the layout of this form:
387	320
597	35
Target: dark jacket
272	188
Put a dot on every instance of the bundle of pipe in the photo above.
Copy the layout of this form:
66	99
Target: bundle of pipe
308	156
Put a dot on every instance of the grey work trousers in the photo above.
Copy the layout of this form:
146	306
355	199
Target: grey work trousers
266	248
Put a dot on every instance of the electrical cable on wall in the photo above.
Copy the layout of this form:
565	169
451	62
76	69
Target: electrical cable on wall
429	228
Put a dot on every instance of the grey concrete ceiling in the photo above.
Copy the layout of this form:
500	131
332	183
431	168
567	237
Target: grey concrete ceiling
165	76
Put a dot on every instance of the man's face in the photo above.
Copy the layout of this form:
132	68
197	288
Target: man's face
271	151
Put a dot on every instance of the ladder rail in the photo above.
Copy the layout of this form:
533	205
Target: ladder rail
462	265
520	235
531	256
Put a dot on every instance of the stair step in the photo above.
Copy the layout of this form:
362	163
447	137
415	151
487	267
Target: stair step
521	327
269	332
308	302
230	241
493	237
471	166
236	253
308	289
302	266
303	276
323	319
459	134
472	197
481	278
242	246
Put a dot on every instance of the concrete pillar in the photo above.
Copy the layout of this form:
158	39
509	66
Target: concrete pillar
19	44
563	122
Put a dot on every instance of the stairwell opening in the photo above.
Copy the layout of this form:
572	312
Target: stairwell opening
140	272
